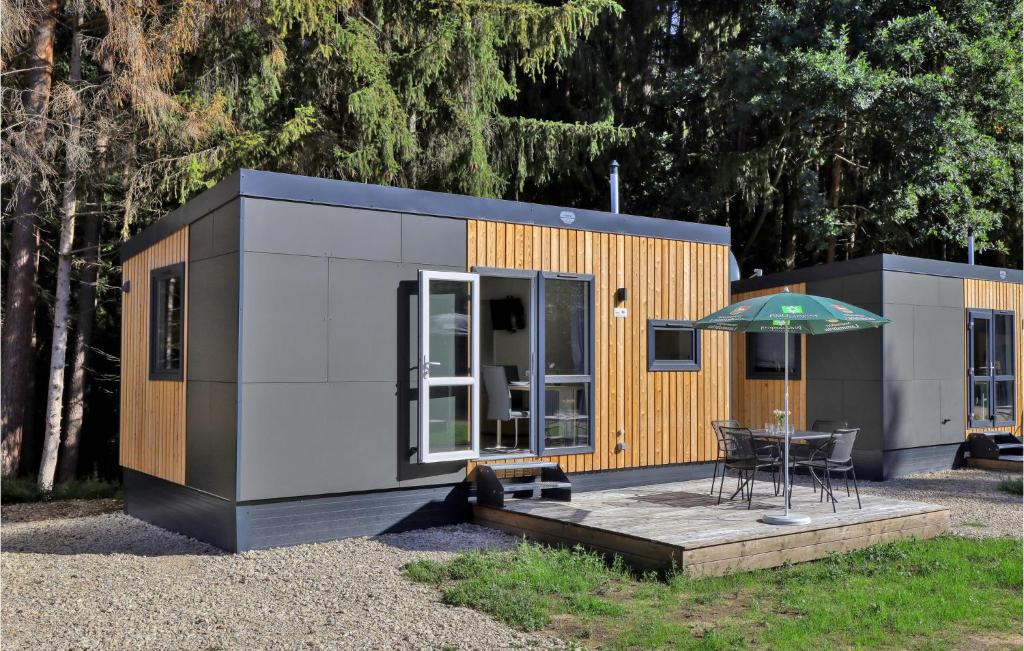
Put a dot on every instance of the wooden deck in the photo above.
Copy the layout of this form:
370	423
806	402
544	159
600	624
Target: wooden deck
657	526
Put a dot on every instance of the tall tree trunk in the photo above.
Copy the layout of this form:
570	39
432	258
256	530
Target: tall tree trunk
58	351
790	202
16	350
836	186
85	319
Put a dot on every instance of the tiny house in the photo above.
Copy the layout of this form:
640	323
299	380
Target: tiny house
307	359
948	365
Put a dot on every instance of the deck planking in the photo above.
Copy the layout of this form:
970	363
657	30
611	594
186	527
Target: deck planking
656	526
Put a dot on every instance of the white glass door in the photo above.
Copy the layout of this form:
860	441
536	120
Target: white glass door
449	387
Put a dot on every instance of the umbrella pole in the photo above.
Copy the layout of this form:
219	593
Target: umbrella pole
785	458
786	518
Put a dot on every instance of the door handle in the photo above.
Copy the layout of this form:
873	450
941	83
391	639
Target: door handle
425	367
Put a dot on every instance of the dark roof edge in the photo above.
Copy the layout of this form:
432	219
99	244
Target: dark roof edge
881	262
330	192
201	205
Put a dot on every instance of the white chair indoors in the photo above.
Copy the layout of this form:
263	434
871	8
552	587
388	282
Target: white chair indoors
499	400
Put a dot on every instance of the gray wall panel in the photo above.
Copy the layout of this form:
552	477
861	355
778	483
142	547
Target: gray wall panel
212	366
284	336
212	425
329	350
216	233
213	319
910	289
363	330
898	342
304	229
429	240
924	368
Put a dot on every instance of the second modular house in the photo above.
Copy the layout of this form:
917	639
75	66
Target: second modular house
948	365
307	359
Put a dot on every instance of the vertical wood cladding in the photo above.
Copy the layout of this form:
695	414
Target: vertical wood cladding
754	400
666	415
152	411
993	295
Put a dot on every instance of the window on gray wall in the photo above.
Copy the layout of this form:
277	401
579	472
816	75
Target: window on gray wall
672	346
765	353
166	316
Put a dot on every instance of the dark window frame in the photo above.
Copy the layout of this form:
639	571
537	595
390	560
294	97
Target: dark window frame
991	377
671	325
753	374
157	276
542	377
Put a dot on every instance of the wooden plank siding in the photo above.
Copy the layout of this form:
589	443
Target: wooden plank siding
754	400
152	411
666	416
994	295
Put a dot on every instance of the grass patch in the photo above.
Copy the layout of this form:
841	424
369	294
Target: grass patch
910	594
1011	485
18	490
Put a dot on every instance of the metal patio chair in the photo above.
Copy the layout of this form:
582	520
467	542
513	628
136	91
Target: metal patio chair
717	426
742	456
834	455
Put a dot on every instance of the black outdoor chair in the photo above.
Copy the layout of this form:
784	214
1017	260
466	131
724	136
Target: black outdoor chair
717	425
742	456
834	455
828	426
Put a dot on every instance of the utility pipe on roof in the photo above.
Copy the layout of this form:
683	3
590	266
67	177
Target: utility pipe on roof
613	181
970	247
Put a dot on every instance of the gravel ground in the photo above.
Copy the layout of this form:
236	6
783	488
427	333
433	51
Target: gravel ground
58	509
976	508
114	582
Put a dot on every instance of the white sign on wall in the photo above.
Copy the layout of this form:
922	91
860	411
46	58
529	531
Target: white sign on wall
620	312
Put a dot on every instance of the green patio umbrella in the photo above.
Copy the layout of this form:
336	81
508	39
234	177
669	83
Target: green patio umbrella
788	313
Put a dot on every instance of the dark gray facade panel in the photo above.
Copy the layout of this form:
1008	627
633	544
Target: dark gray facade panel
304	189
216	233
862	407
284	313
898	342
910	289
824	399
433	240
913	413
939	343
899	463
305	229
180	508
363	320
213	318
304	439
293	522
365	328
210	444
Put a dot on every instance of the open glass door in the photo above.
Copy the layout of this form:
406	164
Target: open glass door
449	392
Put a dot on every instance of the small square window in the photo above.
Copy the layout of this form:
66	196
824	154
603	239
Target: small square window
672	346
166	327
765	353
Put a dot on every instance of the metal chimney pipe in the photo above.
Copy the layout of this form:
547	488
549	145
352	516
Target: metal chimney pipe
970	247
613	181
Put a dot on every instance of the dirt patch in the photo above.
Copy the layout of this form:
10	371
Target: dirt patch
58	509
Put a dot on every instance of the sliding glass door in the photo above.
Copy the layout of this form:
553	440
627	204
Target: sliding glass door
991	357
